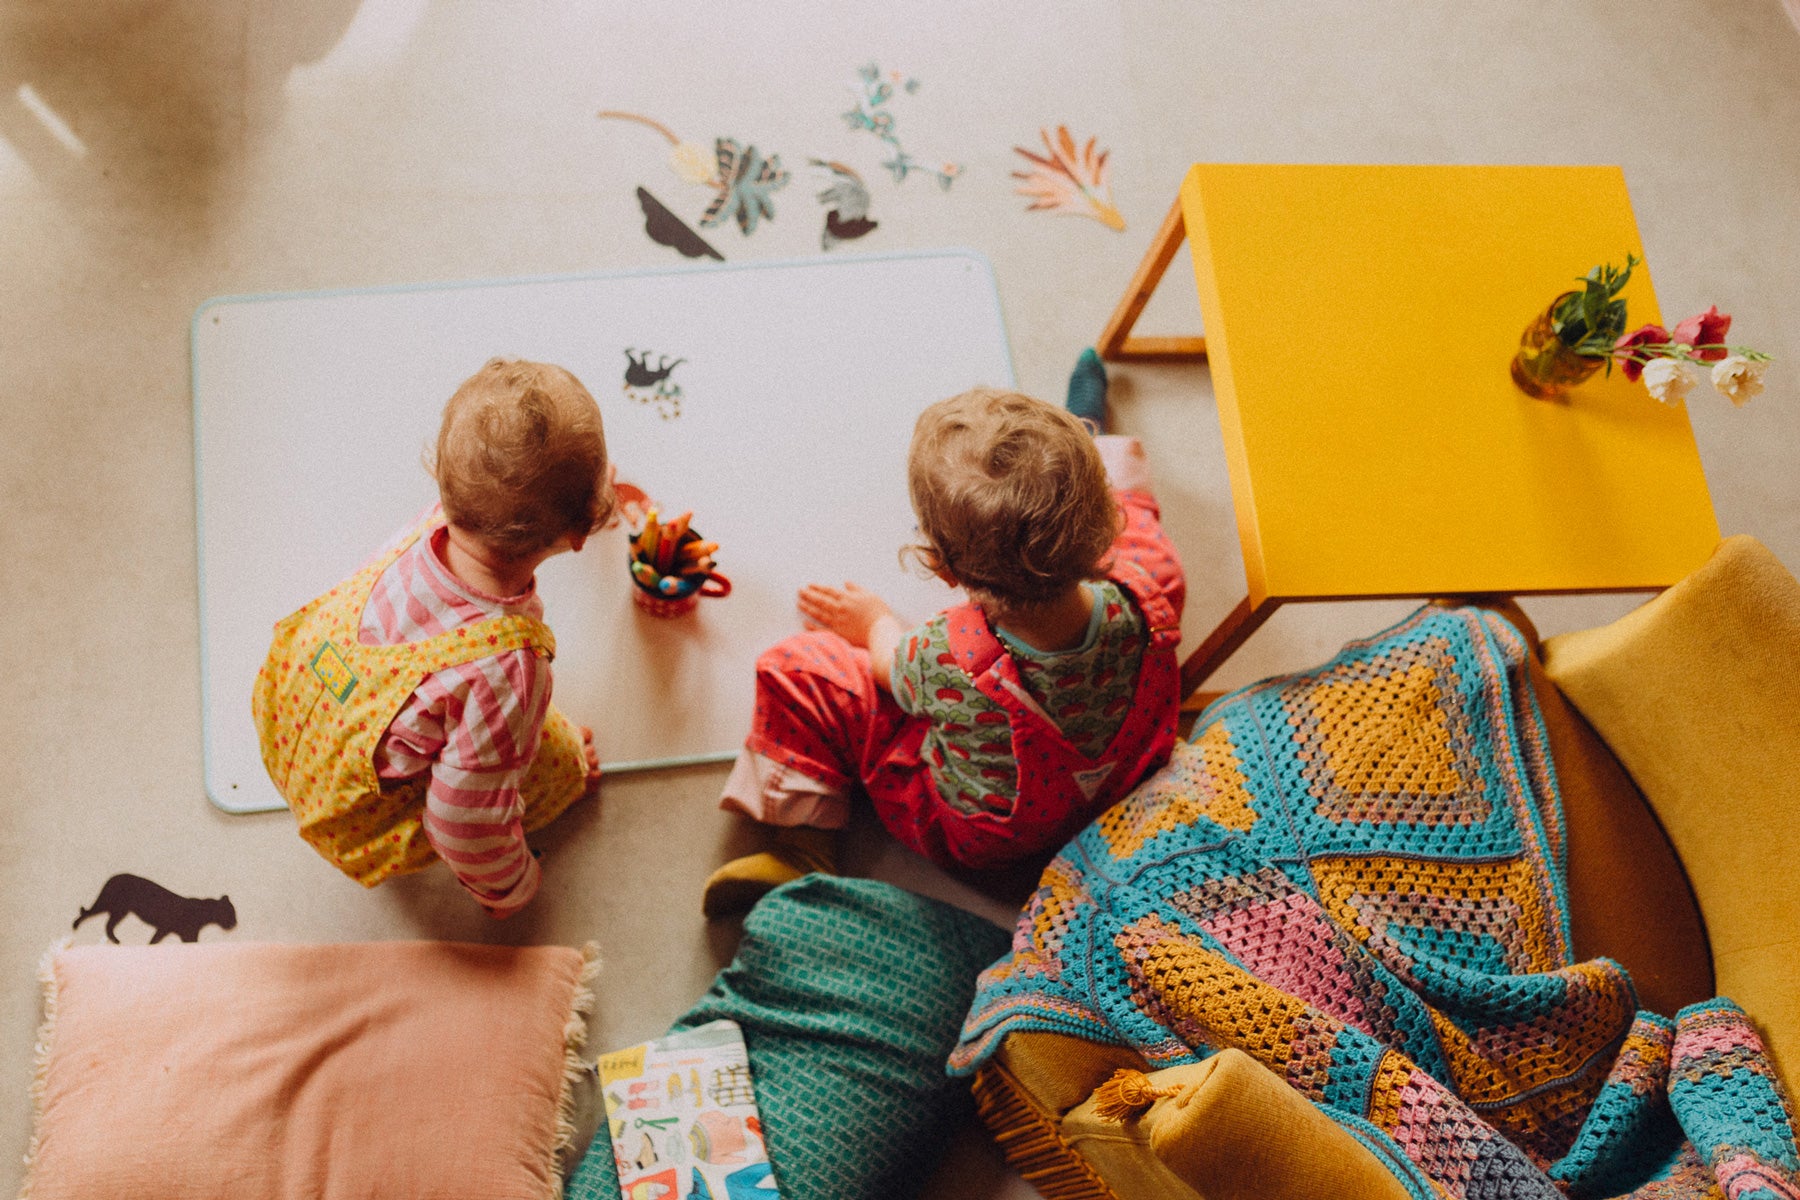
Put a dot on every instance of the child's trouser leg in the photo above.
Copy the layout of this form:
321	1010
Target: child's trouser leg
557	776
816	705
1142	539
816	708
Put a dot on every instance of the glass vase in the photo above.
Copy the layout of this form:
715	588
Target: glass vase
1545	367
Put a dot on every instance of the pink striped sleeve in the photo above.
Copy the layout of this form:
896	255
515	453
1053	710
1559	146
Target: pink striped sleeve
493	711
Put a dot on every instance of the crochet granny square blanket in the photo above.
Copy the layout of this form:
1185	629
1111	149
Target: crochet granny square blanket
1355	875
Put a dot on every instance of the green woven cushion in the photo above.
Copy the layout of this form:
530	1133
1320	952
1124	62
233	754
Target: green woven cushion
851	994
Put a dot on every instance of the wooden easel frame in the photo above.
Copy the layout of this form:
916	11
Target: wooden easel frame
1116	343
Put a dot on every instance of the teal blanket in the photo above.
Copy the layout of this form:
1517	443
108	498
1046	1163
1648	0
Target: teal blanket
1355	875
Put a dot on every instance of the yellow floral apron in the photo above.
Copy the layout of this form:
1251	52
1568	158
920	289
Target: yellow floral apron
323	700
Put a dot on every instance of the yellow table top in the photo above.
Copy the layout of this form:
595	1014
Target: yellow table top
1360	322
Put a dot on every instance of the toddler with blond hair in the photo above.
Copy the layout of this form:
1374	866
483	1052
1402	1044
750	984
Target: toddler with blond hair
405	715
994	731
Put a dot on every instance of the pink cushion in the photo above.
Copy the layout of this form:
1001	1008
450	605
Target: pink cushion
418	1069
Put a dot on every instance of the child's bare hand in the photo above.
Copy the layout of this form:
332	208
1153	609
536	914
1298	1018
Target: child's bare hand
850	611
589	752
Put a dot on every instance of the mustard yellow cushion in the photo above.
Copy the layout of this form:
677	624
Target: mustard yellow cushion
1698	695
1234	1130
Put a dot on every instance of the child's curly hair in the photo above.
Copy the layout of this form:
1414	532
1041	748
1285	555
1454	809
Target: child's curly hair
1011	496
521	457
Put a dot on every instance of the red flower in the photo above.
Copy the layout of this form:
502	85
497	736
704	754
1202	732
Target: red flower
1707	329
1648	335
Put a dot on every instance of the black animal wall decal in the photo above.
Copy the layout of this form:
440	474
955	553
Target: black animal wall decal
164	911
848	201
651	385
639	372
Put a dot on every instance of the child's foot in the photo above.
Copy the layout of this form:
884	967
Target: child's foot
740	883
1087	391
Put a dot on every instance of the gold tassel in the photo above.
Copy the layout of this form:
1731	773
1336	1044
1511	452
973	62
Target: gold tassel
1127	1095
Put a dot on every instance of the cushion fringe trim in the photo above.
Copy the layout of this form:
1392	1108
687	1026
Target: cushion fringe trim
1029	1138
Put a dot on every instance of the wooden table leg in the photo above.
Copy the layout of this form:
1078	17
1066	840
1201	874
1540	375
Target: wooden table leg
1224	641
1116	343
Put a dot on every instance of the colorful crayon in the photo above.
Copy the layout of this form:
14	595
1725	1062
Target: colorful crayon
649	541
674	531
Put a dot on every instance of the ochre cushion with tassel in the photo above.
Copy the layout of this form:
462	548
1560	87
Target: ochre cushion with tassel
1223	1129
1227	1125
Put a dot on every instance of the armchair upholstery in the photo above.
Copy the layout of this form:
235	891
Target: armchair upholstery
1698	694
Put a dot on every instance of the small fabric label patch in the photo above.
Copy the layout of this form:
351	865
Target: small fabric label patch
1089	781
334	672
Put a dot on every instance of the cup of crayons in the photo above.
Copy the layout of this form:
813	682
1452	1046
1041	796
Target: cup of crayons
672	566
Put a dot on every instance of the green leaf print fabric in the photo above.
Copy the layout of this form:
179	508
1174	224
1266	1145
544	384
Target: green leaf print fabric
1085	691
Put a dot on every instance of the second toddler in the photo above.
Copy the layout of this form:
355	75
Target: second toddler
997	729
405	715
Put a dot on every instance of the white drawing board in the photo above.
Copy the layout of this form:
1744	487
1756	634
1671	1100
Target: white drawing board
800	382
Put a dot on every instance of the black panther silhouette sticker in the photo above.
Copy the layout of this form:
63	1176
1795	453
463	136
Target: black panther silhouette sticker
164	911
651	385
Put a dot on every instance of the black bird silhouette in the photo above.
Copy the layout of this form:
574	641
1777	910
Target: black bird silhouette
848	201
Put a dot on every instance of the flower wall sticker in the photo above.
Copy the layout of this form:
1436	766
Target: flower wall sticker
1071	181
689	160
874	92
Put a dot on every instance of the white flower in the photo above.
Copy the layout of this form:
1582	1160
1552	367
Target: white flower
1668	379
693	162
1738	378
